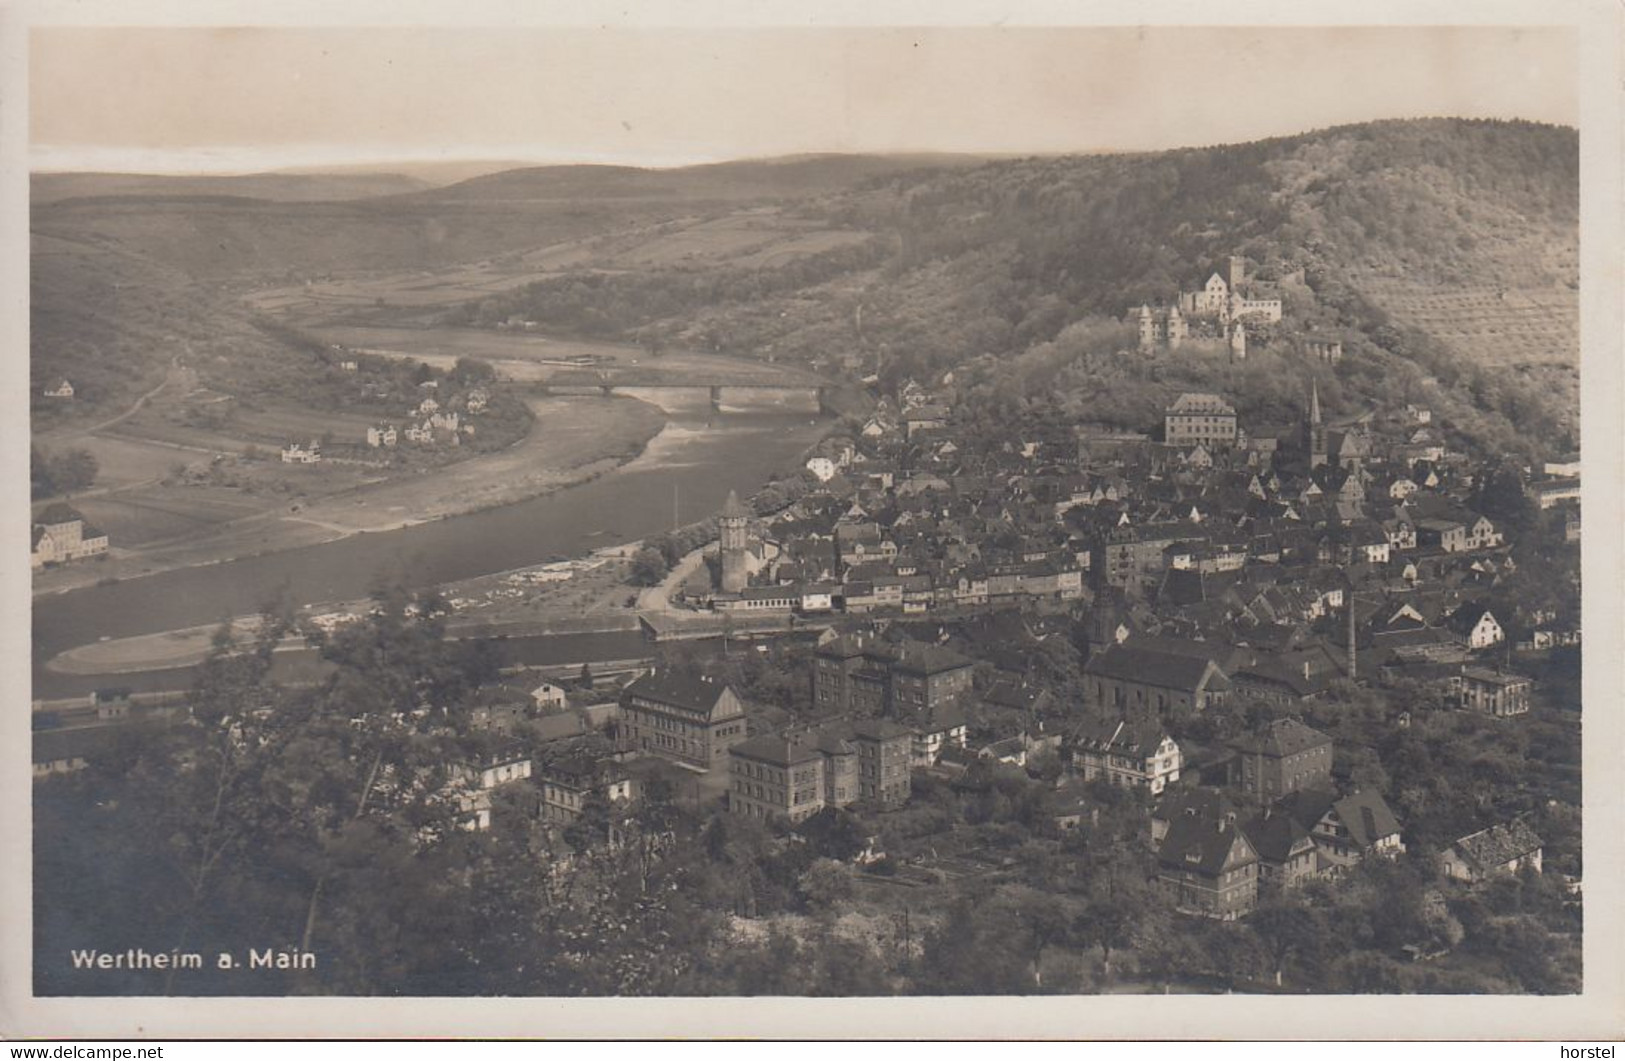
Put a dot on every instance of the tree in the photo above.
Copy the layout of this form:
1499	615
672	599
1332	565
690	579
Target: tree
648	567
1286	928
1109	922
834	833
41	482
825	883
62	473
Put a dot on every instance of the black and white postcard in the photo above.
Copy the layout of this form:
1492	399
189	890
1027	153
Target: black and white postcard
692	514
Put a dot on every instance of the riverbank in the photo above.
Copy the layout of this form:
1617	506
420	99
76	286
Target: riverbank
572	440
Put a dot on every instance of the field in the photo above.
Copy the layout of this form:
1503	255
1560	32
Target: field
267	429
166	512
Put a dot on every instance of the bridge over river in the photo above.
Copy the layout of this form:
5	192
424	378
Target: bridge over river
725	390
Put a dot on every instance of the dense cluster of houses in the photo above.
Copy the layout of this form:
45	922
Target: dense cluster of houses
433	422
1293	553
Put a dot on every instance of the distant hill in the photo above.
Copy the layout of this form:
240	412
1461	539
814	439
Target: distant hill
792	176
1446	251
276	187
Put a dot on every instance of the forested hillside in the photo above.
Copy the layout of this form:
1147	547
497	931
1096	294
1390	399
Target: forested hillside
1445	245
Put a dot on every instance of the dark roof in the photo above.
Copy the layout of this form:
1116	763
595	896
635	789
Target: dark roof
1199	844
917	658
58	513
779	749
1139	739
1366	816
693	692
1274	835
879	729
1282	737
1154	666
1498	845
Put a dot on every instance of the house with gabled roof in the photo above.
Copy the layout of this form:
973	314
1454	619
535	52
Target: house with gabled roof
1477	625
1498	850
1348	828
1138	754
1286	851
1206	864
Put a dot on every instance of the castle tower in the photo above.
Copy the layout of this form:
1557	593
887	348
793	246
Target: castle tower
1237	273
1238	342
1316	429
1148	328
1178	329
734	525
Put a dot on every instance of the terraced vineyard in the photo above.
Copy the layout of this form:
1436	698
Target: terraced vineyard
1495	326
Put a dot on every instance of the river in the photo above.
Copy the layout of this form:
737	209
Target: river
694	462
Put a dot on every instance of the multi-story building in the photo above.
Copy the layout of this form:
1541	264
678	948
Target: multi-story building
692	720
863	676
1208	866
1491	692
568	784
926	677
1134	755
1283	757
792	775
1204	419
475	781
1286	852
61	534
799	772
885	751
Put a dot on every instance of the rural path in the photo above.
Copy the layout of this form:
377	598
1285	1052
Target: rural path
169	377
657	598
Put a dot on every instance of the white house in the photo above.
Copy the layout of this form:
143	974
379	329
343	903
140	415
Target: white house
548	697
294	453
481	779
61	534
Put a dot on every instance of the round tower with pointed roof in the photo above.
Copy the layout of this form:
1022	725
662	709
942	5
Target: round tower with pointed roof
734	526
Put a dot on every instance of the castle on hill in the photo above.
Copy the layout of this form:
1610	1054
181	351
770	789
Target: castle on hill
1223	300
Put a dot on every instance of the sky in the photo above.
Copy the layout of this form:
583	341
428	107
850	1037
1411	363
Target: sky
243	100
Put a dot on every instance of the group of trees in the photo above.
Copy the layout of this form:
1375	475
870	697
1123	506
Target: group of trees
67	472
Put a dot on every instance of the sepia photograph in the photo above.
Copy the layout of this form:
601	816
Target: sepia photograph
809	510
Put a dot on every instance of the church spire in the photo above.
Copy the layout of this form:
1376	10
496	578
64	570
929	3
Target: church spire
1314	403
